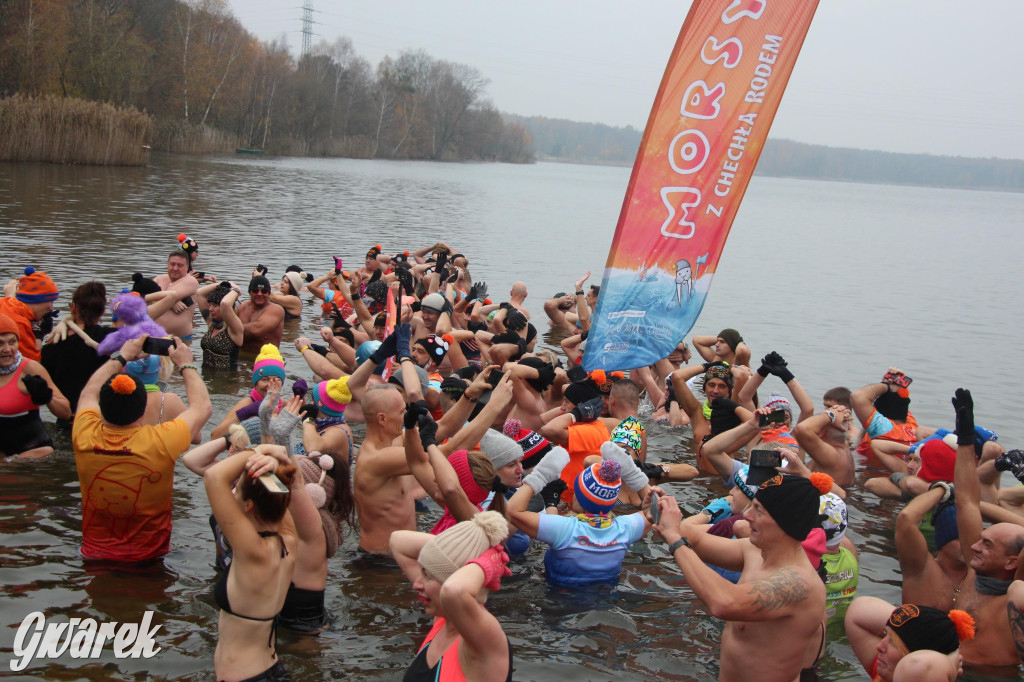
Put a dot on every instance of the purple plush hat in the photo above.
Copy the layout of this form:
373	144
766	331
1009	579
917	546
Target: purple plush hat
130	309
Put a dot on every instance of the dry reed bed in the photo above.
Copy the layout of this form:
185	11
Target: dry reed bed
189	138
72	131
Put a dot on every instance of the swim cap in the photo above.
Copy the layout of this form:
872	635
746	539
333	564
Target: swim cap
834	518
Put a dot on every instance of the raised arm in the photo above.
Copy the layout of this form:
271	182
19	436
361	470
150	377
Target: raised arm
235	328
911	545
965	476
199	407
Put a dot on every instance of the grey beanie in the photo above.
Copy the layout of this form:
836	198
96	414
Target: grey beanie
500	449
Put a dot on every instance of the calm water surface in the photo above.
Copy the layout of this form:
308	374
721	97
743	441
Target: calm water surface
842	279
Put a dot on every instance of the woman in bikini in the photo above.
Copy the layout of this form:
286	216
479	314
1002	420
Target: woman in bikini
253	515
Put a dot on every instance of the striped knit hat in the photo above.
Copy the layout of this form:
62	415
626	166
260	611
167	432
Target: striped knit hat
36	287
597	487
269	363
332	397
534	445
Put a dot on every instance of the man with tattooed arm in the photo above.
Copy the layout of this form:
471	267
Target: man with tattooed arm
777	608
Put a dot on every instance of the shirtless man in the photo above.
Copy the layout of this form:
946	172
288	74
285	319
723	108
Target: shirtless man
178	320
728	346
559	309
824	437
777	607
883	410
516	296
263	320
930	580
382	484
991	554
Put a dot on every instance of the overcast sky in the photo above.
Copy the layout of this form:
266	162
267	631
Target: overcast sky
937	77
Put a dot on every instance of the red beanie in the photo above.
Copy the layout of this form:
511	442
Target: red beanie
7	326
937	461
460	462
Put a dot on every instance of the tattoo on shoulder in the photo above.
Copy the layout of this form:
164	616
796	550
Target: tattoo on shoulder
783	588
1016	627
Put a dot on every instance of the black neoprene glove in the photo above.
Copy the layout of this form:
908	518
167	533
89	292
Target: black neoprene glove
38	390
442	260
428	430
723	415
405	280
46	323
309	411
963	405
588	411
552	492
413	412
319	348
388	347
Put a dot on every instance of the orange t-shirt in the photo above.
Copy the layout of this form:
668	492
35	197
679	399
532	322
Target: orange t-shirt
585	439
127	477
22	316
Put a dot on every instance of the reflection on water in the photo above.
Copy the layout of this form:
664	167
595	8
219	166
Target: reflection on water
842	279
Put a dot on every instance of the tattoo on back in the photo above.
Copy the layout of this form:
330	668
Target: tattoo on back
783	588
1016	627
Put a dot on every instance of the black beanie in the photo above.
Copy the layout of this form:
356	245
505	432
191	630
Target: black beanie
891	406
731	337
122	400
581	392
259	282
144	286
924	627
793	502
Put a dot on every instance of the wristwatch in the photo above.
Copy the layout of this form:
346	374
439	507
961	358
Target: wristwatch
681	542
116	355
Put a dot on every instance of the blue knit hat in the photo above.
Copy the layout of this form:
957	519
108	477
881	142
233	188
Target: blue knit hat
597	487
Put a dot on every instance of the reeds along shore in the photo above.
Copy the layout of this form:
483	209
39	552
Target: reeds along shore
72	131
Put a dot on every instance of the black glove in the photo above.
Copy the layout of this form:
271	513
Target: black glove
453	277
309	411
652	471
413	412
723	415
963	405
776	365
589	410
447	307
670	394
405	280
552	492
515	320
388	347
428	430
504	305
38	390
584	335
1012	461
472	294
45	325
376	275
442	260
319	348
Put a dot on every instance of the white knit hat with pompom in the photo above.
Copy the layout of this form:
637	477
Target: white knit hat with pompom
449	551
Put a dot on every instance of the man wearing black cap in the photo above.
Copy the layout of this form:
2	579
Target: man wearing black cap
125	469
883	409
262	319
777	607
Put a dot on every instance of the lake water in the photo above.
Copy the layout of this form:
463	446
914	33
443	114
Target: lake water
842	279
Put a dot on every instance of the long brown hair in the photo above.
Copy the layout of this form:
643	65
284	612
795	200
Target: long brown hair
484	475
269	507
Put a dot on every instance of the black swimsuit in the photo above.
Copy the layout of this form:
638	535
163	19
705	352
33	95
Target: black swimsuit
220	591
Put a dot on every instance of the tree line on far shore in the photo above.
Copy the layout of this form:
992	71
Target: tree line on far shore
210	85
596	143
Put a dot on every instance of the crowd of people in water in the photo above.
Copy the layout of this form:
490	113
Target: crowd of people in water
517	444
